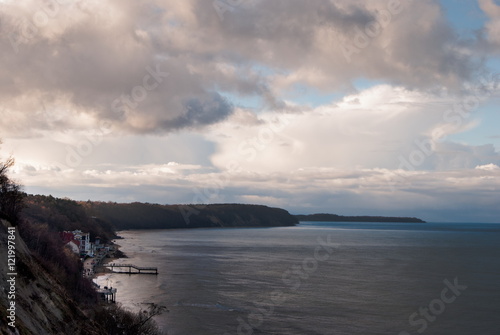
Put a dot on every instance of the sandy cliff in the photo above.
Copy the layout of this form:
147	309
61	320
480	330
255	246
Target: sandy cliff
42	306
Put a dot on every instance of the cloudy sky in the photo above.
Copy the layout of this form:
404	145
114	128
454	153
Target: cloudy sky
356	107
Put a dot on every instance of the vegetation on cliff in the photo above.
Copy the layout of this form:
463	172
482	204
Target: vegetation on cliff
103	218
11	197
64	214
153	216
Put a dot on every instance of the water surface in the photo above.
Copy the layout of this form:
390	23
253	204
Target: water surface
318	278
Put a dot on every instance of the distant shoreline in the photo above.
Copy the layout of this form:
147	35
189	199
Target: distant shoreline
341	218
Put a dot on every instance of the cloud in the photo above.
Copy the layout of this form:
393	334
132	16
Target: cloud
113	91
492	10
101	65
488	167
381	127
327	44
157	67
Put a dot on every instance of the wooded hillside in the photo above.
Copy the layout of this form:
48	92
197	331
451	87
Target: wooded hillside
153	216
102	218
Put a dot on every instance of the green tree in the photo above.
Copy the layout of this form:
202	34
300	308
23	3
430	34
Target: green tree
11	195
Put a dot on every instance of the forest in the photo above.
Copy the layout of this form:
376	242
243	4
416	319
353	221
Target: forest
154	216
103	218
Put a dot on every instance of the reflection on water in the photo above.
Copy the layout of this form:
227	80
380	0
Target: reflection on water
318	278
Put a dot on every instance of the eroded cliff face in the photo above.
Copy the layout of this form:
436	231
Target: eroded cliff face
42	306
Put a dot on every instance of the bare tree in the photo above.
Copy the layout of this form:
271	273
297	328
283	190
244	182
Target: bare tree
144	323
11	195
119	321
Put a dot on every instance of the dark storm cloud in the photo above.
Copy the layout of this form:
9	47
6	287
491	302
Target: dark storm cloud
201	112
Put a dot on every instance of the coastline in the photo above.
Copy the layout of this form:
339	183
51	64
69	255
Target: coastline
95	269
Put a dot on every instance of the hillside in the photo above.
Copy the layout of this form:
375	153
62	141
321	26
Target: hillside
64	214
45	292
153	216
103	218
42	304
340	218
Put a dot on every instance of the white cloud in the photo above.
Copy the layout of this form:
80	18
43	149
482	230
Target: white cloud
376	128
488	167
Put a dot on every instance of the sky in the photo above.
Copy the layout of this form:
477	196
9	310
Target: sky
348	107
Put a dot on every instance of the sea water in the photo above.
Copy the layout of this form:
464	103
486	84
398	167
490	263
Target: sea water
318	278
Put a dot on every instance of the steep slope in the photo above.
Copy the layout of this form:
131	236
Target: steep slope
42	306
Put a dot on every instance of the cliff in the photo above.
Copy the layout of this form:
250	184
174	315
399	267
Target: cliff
42	305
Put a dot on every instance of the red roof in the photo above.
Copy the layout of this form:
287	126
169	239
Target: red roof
66	236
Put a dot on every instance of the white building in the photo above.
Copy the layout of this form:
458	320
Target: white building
85	244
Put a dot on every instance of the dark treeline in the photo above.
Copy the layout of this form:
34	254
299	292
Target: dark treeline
153	216
103	218
341	218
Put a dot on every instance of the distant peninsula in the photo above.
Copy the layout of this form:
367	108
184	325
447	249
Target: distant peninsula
341	218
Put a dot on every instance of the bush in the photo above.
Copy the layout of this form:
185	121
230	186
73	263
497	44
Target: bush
117	320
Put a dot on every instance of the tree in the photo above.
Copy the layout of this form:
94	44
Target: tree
144	324
11	195
116	320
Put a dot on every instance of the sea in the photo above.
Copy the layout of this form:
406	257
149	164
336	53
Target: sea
317	278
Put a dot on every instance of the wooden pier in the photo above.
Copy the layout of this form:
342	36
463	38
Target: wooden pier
138	269
107	293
